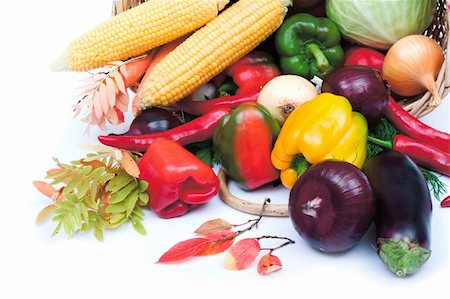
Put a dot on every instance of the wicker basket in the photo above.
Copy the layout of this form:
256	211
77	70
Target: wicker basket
438	30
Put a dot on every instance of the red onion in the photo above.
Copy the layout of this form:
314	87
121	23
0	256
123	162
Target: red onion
363	86
332	205
153	120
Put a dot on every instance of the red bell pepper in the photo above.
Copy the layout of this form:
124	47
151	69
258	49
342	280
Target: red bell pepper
364	56
178	180
250	73
199	129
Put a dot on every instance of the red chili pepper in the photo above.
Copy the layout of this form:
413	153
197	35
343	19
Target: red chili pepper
178	180
199	129
202	107
364	56
414	128
445	203
423	154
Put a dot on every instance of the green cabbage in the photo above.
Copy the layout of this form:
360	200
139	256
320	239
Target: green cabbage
380	23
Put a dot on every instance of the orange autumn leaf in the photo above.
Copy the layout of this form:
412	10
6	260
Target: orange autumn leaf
242	254
48	190
221	241
93	163
213	225
45	188
184	250
45	213
269	263
128	163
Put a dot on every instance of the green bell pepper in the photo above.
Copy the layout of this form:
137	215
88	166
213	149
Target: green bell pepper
309	46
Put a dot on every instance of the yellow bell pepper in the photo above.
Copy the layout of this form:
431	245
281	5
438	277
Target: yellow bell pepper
321	129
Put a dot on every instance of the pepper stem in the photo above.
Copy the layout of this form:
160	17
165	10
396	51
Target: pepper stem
322	62
299	164
382	143
401	256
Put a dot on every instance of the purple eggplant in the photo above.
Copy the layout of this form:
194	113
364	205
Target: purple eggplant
403	213
153	120
332	205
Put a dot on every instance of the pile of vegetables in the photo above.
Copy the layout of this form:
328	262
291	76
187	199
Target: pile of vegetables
305	97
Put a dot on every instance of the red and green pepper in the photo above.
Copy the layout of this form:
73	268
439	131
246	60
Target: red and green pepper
244	141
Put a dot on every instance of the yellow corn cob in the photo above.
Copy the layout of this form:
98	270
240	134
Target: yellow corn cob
136	31
207	52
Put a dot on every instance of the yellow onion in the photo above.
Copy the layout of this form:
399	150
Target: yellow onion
284	93
412	65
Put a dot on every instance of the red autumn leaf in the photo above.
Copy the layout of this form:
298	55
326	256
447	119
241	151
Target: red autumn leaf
221	241
242	254
184	249
213	225
269	263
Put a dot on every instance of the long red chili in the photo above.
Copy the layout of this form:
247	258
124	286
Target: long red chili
202	107
199	129
423	154
414	128
445	203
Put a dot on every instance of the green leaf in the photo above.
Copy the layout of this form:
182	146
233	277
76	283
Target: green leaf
143	198
83	187
57	229
71	185
56	174
98	233
90	201
131	202
116	218
60	179
123	193
139	211
85	170
68	226
98	174
139	228
121	206
143	185
119	181
84	213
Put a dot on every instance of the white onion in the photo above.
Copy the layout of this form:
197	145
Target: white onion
284	93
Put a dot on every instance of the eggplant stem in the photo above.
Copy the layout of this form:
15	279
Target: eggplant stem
246	206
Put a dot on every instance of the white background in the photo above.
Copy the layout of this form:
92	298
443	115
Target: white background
36	124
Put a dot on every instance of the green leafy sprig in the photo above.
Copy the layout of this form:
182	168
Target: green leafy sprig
97	193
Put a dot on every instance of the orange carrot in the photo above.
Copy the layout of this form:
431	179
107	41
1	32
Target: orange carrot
136	69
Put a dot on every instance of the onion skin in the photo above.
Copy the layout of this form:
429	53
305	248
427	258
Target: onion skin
412	65
403	212
363	86
332	205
